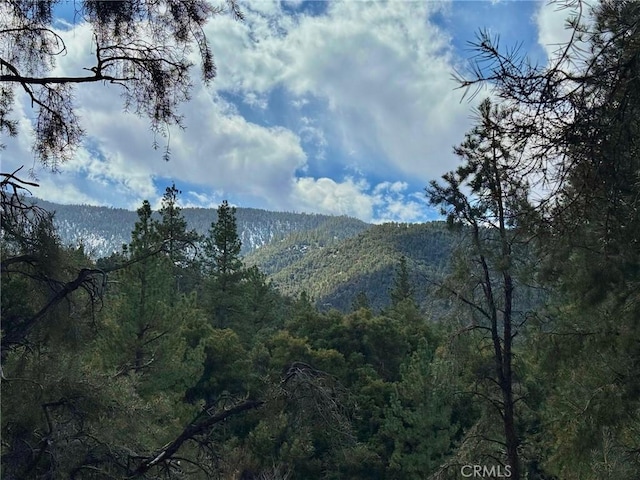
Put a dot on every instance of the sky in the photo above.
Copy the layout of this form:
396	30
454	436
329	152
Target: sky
345	108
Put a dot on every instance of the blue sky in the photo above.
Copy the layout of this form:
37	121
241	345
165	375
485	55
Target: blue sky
328	107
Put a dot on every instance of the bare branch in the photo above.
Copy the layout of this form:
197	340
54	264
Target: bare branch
191	431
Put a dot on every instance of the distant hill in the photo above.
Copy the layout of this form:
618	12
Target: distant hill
332	258
103	230
334	273
287	250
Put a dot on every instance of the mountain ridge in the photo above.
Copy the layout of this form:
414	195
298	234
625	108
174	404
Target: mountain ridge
103	230
331	258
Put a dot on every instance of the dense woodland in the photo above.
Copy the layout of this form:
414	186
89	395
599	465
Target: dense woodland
175	359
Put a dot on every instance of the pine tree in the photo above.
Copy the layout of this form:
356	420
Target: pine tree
144	237
145	286
172	229
179	243
418	418
492	213
69	409
151	65
402	289
222	260
222	246
578	115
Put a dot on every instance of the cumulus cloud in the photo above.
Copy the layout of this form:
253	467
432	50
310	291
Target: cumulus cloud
324	195
383	69
116	165
385	202
363	85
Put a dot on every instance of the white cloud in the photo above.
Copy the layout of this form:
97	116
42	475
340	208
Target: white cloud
365	80
395	187
324	195
219	150
382	68
313	135
254	100
227	152
300	102
554	30
385	202
395	205
64	192
201	200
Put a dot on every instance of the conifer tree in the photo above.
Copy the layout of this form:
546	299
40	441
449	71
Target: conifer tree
223	263
222	246
418	417
180	242
146	284
402	289
144	236
492	212
578	115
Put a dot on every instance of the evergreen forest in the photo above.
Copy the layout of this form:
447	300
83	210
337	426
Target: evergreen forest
502	343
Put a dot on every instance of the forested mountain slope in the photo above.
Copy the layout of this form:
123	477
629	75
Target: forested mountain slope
290	249
333	259
335	273
103	230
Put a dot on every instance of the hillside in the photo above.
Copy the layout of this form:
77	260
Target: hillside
294	247
333	259
103	230
333	274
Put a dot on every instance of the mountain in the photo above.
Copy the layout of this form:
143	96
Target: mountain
332	259
103	230
285	251
335	273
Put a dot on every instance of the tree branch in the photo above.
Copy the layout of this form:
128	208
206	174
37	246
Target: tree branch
191	431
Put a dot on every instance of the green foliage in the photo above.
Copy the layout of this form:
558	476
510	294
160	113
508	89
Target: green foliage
335	273
222	246
145	236
419	418
288	248
120	368
493	210
583	347
225	366
361	301
261	232
153	81
180	243
402	289
223	293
